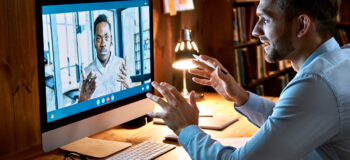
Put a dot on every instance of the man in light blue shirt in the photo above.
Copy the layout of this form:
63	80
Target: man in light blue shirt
311	120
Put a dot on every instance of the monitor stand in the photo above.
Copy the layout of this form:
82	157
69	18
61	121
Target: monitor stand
96	148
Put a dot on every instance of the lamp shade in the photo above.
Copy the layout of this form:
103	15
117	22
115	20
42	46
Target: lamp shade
184	51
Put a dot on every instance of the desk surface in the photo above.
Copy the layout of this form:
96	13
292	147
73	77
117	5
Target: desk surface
154	132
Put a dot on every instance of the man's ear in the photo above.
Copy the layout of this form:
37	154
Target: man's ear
304	22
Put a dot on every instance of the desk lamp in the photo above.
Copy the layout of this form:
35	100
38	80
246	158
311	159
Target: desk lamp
183	56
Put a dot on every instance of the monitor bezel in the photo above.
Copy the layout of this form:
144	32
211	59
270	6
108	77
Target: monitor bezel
45	126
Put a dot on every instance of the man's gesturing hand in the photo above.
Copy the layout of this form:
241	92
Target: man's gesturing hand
88	87
223	83
177	112
123	76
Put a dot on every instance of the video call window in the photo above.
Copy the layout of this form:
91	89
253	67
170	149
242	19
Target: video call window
69	48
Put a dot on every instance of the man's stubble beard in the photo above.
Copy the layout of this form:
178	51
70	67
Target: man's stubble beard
282	47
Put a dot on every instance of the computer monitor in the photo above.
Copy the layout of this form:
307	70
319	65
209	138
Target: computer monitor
113	40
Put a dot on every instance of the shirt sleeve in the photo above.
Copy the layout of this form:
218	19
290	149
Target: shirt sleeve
304	118
257	109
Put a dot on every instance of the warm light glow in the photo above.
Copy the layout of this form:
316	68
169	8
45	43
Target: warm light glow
182	46
195	46
184	64
189	47
177	47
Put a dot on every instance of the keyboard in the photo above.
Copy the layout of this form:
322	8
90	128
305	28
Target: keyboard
143	151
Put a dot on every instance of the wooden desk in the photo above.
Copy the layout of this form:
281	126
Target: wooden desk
154	132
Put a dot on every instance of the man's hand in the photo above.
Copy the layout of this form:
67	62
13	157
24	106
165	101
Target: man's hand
224	84
177	112
123	76
88	87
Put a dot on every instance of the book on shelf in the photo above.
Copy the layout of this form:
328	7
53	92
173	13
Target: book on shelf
260	90
338	18
342	36
261	63
243	22
237	67
235	26
241	66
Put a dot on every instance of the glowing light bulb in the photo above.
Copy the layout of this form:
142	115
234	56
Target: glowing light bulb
177	47
195	46
189	47
182	46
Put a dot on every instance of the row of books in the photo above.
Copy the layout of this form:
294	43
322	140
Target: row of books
243	23
250	68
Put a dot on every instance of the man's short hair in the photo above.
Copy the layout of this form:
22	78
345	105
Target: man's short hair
324	12
101	18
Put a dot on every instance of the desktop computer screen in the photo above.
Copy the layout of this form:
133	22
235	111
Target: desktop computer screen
95	61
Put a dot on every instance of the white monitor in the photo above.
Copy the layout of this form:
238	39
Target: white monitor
71	45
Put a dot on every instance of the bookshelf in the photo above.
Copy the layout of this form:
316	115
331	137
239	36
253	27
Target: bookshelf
342	33
252	72
343	24
246	43
275	74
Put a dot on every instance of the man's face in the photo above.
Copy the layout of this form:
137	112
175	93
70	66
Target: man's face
273	31
103	41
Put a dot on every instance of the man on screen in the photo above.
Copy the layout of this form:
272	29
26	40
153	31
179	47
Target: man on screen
106	73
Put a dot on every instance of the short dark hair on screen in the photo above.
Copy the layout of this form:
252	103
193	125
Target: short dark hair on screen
101	18
324	12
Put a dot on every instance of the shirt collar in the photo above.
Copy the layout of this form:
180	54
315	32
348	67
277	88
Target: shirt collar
327	46
100	66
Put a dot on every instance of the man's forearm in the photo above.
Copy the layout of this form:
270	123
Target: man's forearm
200	145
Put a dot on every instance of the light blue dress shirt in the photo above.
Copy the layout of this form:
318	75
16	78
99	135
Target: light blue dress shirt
311	120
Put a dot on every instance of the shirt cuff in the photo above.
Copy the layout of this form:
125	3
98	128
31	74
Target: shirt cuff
256	109
252	101
248	108
188	133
